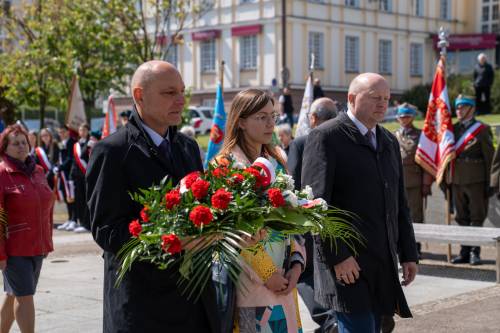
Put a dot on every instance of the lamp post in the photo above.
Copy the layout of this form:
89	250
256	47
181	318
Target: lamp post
285	72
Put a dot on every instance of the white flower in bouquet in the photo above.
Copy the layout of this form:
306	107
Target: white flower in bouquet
291	198
287	180
308	192
321	202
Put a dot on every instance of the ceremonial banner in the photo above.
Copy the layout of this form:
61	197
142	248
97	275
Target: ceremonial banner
110	121
218	127
303	126
76	109
436	147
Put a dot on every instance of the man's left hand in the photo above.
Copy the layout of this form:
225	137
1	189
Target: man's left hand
293	277
409	272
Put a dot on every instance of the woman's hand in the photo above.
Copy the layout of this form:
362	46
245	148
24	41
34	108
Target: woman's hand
257	237
293	277
3	264
276	282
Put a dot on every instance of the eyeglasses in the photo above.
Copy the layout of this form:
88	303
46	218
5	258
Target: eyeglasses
267	118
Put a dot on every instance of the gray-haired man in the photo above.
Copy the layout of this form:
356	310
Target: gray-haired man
322	110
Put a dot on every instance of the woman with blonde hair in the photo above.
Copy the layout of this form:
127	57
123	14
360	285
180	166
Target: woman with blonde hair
266	299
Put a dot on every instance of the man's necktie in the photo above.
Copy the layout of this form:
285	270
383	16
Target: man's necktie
371	139
164	148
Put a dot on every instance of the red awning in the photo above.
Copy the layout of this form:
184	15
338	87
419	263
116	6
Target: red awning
205	35
469	41
246	30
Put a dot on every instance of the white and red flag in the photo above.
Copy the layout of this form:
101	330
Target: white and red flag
436	145
76	108
110	121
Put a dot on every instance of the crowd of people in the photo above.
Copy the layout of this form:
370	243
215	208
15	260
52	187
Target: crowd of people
348	159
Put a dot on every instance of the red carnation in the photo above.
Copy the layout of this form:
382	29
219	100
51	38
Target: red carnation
144	214
135	228
256	173
191	178
171	243
221	199
200	188
238	178
276	197
201	215
220	172
173	198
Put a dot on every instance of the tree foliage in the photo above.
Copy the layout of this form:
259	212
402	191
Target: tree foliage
102	40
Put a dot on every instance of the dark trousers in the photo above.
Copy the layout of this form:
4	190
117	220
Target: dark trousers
358	322
81	203
471	204
70	206
325	318
483	105
289	119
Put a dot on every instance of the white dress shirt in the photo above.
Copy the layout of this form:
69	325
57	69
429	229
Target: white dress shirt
362	128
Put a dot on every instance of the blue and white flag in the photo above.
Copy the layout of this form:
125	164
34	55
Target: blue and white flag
218	128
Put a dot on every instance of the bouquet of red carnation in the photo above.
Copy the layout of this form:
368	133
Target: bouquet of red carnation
207	217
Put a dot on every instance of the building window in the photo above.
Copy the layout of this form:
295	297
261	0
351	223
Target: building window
247	1
385	56
207	55
416	59
494	13
445	9
419	7
352	3
494	28
484	28
385	5
486	14
248	52
171	56
352	54
316	47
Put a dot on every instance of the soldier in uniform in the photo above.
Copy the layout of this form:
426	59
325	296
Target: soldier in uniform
470	180
417	181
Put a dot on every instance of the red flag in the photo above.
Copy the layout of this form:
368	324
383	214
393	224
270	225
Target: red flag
436	145
111	119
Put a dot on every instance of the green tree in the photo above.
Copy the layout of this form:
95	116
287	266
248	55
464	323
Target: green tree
30	68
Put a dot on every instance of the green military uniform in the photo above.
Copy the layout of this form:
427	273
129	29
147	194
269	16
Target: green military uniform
470	180
413	173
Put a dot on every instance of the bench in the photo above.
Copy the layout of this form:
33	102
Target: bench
454	234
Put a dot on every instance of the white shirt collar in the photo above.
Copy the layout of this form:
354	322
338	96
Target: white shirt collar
157	138
362	128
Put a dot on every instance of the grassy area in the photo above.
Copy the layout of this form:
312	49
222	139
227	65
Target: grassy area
492	120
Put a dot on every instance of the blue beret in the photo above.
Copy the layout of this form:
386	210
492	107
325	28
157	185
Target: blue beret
461	100
406	110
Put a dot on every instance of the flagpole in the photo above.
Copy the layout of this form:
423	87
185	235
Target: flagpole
443	44
221	75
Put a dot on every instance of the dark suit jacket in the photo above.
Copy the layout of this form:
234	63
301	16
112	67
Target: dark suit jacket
147	300
343	168
294	162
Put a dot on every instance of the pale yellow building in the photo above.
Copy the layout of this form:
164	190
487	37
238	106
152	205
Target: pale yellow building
391	37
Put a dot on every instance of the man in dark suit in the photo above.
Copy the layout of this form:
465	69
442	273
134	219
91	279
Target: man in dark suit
484	76
355	165
137	156
322	109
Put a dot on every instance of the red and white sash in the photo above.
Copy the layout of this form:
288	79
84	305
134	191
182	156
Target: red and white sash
77	152
43	159
469	135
